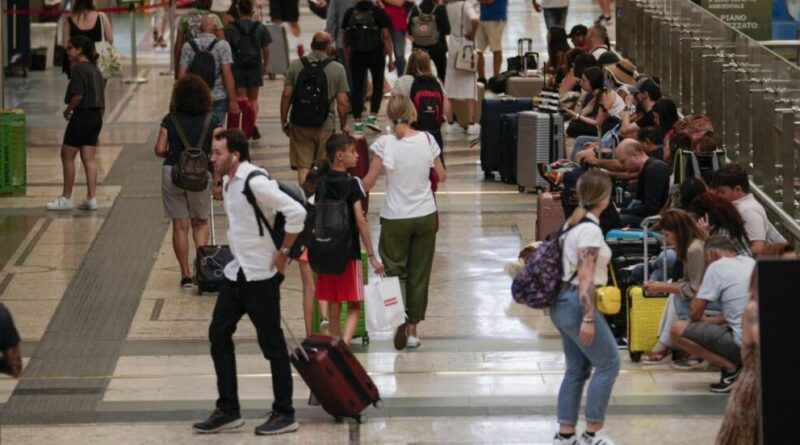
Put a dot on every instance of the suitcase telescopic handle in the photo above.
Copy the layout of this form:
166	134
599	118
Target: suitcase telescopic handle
211	216
647	223
298	345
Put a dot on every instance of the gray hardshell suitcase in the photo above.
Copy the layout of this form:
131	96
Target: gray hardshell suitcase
540	140
278	51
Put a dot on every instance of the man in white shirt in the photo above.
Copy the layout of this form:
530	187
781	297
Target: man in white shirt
598	39
731	182
252	285
718	339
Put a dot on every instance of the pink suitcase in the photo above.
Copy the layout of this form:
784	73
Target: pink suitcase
549	214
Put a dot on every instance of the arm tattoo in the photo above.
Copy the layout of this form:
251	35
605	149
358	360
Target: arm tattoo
587	258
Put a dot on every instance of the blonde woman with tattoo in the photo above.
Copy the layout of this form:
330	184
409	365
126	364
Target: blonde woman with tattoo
588	341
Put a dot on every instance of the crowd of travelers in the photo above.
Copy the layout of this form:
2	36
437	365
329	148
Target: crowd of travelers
628	143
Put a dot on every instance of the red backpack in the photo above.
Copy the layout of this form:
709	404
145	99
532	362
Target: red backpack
428	98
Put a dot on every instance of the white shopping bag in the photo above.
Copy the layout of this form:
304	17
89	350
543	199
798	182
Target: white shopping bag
385	308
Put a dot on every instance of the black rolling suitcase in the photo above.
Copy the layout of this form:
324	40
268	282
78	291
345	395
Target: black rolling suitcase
509	124
492	111
210	262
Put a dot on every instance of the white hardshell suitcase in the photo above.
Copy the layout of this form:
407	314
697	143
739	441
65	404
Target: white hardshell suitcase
540	140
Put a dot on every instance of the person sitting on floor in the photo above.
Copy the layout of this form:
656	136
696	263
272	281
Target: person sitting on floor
718	339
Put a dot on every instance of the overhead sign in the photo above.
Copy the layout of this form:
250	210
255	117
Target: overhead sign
752	17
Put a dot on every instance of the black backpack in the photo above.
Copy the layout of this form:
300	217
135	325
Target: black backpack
278	231
204	63
247	51
363	34
190	171
331	239
426	93
310	103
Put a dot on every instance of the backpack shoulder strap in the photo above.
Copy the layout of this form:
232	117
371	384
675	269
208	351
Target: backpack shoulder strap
306	63
238	25
194	46
211	46
204	131
323	63
179	129
261	220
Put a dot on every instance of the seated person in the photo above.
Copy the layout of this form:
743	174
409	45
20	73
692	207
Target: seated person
11	360
644	95
731	182
652	182
718	339
653	141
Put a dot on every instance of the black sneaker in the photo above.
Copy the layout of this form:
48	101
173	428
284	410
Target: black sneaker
277	424
186	282
726	381
218	421
256	135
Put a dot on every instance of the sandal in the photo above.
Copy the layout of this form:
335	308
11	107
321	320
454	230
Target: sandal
655	358
688	363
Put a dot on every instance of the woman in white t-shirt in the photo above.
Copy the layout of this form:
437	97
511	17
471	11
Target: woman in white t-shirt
588	341
408	215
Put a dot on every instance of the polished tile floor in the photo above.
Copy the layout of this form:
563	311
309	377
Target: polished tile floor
488	370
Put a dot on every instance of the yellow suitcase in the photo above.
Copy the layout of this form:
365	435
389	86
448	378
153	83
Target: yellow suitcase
644	317
644	311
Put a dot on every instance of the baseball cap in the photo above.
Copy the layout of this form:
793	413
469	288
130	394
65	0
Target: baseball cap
646	85
578	30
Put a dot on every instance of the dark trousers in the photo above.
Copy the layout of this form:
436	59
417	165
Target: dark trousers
260	300
439	59
437	135
360	62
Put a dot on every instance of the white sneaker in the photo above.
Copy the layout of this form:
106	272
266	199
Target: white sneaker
599	438
454	128
413	342
88	204
61	203
474	129
558	440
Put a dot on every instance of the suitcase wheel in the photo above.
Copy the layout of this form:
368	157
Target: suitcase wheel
359	418
521	189
488	176
272	76
365	339
636	356
378	404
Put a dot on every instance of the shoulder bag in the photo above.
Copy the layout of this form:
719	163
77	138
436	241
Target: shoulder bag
466	59
108	59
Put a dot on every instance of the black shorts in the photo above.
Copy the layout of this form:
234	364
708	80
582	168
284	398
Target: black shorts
84	128
246	78
284	10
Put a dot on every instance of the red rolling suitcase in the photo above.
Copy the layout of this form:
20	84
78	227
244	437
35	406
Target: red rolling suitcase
336	378
361	169
245	120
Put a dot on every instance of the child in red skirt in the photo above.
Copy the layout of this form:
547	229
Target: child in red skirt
348	286
317	170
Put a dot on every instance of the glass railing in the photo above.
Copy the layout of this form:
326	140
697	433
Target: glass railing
751	94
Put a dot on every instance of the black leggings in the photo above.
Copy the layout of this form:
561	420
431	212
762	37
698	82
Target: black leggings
360	62
439	59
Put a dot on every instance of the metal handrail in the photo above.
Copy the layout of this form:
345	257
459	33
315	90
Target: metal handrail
784	220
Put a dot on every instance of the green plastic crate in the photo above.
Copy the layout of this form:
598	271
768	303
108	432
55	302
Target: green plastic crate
361	326
13	148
